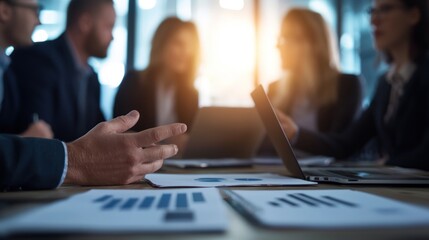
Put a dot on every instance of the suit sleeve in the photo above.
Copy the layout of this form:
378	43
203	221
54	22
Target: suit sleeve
100	114
130	96
340	145
418	156
30	163
350	103
35	78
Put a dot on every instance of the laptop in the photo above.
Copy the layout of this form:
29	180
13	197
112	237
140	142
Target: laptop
364	175
225	133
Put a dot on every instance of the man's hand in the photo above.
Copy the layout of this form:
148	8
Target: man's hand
289	126
38	129
107	155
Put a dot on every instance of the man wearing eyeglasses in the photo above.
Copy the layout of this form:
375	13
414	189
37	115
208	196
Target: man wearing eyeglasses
18	18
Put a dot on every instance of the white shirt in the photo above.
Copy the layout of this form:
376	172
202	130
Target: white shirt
4	64
397	78
166	104
406	72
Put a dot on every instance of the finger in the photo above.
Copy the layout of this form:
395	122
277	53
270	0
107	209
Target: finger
154	135
152	167
143	169
156	153
122	123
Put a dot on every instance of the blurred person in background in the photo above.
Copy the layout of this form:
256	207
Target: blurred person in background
18	19
398	115
54	77
313	91
164	92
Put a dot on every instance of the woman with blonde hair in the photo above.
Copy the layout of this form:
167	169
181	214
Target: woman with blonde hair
164	92
398	114
313	92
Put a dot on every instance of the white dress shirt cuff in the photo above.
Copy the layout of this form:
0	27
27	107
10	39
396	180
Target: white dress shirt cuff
66	162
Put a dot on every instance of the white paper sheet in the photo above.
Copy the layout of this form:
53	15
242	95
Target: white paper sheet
107	211
326	209
223	180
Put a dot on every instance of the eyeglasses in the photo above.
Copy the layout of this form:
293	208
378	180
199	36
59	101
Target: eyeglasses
36	8
383	10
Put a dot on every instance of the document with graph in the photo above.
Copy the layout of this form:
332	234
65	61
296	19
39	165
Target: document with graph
101	211
325	209
223	180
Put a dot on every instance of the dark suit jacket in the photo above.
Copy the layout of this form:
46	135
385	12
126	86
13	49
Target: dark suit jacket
405	138
46	76
332	118
30	163
10	105
335	117
138	92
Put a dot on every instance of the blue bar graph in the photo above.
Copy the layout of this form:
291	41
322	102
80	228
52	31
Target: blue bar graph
147	202
181	201
103	198
112	204
198	197
129	204
164	201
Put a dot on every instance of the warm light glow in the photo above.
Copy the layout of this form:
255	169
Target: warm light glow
232	4
147	4
228	62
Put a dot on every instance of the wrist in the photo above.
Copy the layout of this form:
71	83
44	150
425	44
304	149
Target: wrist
73	175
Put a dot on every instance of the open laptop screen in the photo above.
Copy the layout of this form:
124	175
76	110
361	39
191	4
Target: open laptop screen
275	132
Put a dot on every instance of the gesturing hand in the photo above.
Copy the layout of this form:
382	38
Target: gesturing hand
107	155
289	126
39	129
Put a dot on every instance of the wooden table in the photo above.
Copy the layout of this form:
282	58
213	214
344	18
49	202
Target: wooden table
12	203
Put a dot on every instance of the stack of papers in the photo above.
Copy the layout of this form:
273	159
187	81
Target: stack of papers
325	209
223	180
106	211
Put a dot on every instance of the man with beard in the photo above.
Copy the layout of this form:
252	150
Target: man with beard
54	78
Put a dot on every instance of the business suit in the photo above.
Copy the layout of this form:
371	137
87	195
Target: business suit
337	116
331	118
9	105
30	163
138	92
405	138
50	85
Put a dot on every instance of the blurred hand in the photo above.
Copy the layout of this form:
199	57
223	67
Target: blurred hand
38	129
107	155
289	126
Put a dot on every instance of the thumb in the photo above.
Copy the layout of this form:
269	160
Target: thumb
123	123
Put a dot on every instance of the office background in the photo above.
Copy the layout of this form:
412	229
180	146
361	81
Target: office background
238	42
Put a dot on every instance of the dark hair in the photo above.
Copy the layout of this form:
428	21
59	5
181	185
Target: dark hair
419	45
78	7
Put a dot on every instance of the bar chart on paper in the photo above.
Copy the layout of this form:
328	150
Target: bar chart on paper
128	211
325	209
